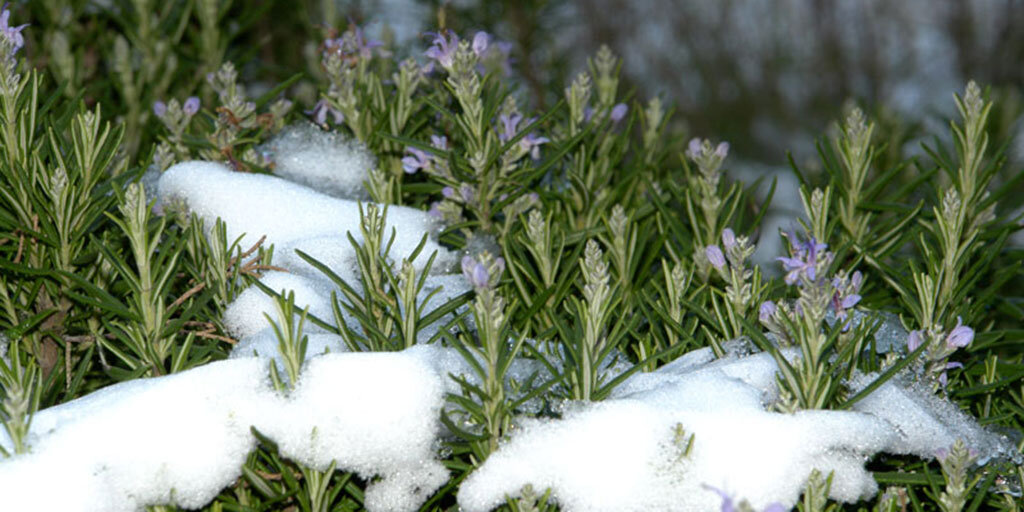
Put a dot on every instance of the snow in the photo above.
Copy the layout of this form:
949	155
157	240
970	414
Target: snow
327	161
287	213
182	438
619	454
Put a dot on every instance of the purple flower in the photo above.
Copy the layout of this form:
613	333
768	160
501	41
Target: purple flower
191	106
727	504
943	379
443	49
532	144
509	126
480	42
804	260
618	112
467	193
475	272
728	239
914	340
12	34
715	256
439	141
960	336
416	160
159	108
695	148
448	192
320	111
767	311
435	210
722	150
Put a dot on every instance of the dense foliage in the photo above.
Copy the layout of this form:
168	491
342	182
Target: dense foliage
607	233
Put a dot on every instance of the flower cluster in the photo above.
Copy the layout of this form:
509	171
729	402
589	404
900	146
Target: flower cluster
731	266
11	35
940	345
508	129
418	159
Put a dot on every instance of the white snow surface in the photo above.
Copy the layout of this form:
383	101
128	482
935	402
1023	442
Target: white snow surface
182	438
619	454
327	161
287	213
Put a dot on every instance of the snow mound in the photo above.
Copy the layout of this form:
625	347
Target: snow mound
182	438
327	161
623	454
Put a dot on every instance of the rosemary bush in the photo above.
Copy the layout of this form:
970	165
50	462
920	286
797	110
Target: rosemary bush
599	239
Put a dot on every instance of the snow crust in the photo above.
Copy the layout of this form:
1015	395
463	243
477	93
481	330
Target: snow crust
327	161
620	454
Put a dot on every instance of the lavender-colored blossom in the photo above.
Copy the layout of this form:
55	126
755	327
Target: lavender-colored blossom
728	239
448	192
435	210
416	160
803	262
443	49
715	256
695	148
914	340
159	108
12	34
439	141
532	144
509	126
960	336
321	110
722	150
480	43
767	311
943	378
475	272
618	112
467	193
191	106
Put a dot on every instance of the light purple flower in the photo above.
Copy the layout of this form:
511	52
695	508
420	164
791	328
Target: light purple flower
804	260
12	34
722	150
618	112
475	272
439	141
715	256
467	193
443	49
509	126
767	311
943	378
695	148
448	192
532	144
480	43
191	106
728	239
160	109
435	210
322	109
416	160
960	336
914	340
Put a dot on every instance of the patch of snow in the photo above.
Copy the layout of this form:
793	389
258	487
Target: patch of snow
328	161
